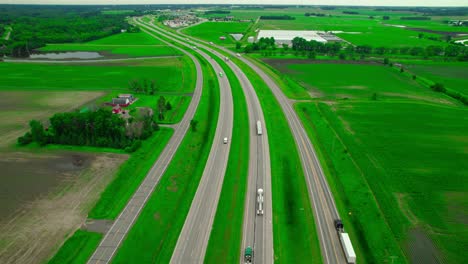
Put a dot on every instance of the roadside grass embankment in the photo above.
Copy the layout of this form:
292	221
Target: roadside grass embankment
77	249
294	233
155	233
227	224
389	172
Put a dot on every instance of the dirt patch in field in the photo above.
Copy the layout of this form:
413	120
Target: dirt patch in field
421	249
446	33
46	197
97	225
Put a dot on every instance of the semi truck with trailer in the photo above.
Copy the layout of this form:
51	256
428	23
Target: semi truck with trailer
345	242
259	128
260	201
248	255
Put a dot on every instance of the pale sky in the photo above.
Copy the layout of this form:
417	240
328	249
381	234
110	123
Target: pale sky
237	2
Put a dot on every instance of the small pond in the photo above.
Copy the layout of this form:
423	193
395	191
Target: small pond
66	55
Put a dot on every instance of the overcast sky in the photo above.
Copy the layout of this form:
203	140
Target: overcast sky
289	2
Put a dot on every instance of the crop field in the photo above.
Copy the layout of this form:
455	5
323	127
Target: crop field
454	75
46	196
119	45
389	161
211	31
102	76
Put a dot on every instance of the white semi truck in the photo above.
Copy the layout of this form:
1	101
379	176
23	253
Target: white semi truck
259	128
260	201
345	242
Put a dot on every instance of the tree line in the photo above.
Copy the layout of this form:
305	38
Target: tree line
100	128
283	17
34	26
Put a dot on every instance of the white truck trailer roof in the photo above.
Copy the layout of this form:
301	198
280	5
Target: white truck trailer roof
348	248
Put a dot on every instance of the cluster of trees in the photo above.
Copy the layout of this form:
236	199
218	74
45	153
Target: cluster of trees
453	51
314	14
351	12
210	12
438	87
162	107
416	18
300	44
143	87
433	11
261	44
100	128
283	17
34	26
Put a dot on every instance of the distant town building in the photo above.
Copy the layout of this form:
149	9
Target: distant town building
222	38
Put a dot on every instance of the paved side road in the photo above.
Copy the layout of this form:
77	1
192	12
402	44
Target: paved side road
114	237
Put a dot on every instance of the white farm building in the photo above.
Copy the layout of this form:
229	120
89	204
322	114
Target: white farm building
286	36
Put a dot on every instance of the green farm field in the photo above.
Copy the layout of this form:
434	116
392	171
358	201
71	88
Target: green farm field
123	44
103	76
454	75
211	31
394	160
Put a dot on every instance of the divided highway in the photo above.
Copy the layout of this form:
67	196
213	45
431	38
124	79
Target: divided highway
114	237
324	207
257	229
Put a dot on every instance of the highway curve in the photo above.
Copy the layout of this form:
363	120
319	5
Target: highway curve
193	239
114	237
257	229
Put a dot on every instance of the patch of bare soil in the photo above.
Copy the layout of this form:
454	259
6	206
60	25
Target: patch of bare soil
449	33
40	224
421	249
97	225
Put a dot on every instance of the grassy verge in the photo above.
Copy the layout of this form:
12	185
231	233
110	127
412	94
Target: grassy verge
227	225
78	248
155	233
295	237
130	175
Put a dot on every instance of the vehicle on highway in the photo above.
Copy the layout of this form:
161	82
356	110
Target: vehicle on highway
220	74
225	140
226	58
260	201
238	54
259	128
345	242
248	255
211	43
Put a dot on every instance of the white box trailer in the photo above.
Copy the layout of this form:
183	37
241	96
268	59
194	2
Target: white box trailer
259	128
347	248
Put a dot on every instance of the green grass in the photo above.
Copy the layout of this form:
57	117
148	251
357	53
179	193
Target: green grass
117	12
130	175
390	162
211	31
295	237
452	74
227	225
77	249
168	74
155	233
130	51
139	38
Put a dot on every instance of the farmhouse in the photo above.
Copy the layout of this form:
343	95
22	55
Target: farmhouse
123	100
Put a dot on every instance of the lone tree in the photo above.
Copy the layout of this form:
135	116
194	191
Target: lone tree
168	106
161	107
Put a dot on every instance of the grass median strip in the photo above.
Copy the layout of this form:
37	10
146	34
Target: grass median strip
294	233
155	233
227	225
78	248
